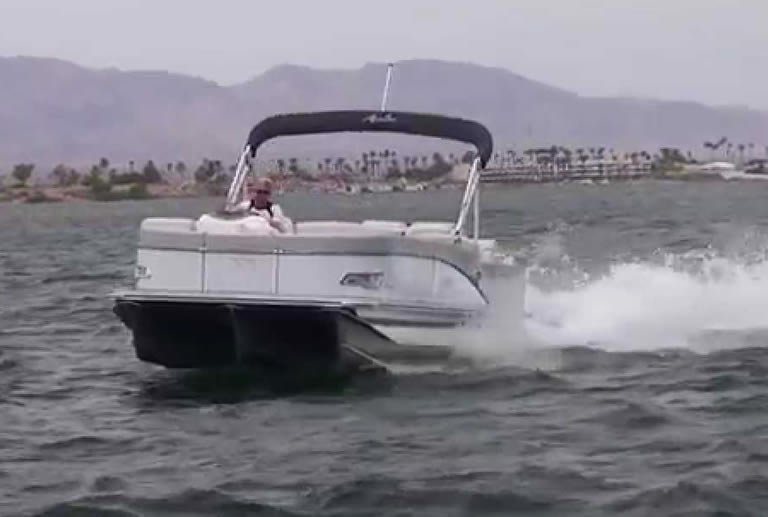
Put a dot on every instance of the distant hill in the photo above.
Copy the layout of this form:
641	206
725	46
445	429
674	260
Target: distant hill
53	111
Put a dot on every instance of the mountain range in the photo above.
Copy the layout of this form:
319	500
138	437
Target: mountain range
54	111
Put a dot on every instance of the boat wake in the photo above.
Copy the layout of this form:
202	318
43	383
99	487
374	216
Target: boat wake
699	301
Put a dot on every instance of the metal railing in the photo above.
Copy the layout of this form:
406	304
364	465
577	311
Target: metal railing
471	200
241	171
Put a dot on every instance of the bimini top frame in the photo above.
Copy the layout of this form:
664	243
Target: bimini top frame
422	124
380	121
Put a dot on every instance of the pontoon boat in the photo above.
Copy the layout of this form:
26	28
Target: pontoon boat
227	289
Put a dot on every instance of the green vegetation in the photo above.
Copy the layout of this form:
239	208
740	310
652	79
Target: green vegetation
37	196
104	181
670	160
103	191
22	172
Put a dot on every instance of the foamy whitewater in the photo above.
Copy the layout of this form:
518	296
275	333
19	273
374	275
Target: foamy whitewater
695	300
644	306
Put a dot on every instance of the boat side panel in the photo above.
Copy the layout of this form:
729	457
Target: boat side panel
463	255
403	279
173	270
407	278
240	273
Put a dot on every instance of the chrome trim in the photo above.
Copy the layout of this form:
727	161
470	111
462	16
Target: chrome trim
365	279
398	311
242	169
469	197
276	272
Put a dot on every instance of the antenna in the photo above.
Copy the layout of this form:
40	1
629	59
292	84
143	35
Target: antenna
390	66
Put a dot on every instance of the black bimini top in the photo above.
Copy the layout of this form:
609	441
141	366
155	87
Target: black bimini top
374	121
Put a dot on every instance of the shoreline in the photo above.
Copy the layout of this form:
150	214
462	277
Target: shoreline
54	194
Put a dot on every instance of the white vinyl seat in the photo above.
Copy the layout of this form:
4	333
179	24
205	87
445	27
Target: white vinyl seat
168	224
386	227
167	232
342	228
249	225
429	227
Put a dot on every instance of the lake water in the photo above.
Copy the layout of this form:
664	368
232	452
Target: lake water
641	391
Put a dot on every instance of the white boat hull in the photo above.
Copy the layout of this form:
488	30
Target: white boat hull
371	280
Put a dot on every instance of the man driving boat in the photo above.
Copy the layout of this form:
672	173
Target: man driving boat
258	200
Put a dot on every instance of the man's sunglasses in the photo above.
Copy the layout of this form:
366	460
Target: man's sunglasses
260	190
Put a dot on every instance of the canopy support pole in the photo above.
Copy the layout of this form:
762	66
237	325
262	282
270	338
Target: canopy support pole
470	198
386	87
241	171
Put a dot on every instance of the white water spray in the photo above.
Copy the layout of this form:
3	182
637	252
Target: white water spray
645	306
700	301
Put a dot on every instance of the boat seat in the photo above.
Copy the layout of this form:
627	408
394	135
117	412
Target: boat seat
429	227
387	227
346	228
168	224
249	225
167	232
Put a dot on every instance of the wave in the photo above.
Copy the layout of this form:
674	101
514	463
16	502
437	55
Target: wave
646	305
190	502
700	301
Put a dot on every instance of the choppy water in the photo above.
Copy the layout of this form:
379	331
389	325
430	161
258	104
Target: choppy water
643	391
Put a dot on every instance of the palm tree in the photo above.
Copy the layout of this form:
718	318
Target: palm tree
720	143
568	158
583	157
22	172
60	175
181	169
712	147
511	156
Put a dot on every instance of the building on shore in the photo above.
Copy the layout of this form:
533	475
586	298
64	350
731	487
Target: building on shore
552	165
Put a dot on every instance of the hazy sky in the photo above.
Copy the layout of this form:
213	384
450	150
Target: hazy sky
714	51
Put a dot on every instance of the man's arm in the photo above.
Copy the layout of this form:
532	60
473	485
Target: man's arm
278	219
